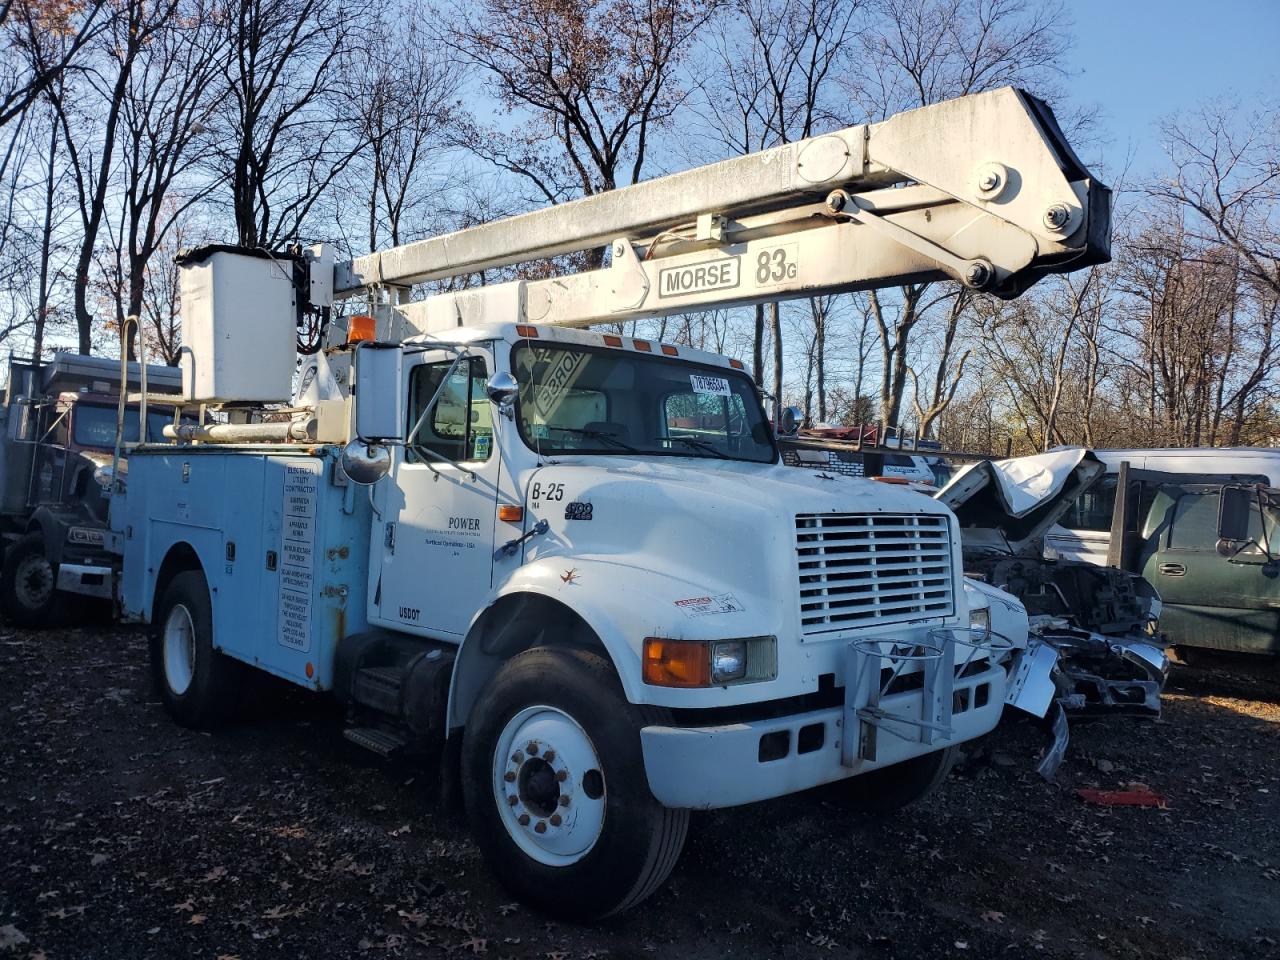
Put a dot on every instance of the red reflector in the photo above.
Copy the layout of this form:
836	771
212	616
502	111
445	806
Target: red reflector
311	670
737	364
670	351
642	345
524	330
611	341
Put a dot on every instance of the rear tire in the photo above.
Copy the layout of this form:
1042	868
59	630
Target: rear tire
895	787
199	686
578	836
28	583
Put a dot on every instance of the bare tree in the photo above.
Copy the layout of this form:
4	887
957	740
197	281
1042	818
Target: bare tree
919	52
773	84
39	40
592	80
89	114
1227	175
404	106
170	95
286	134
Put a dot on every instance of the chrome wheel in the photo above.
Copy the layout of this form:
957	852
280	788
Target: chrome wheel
549	786
179	638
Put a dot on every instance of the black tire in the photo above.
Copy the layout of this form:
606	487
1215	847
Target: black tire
212	693
895	787
639	840
28	583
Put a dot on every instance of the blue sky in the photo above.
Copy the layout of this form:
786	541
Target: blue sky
1140	60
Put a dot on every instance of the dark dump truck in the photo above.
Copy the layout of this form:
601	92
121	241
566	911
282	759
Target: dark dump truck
58	424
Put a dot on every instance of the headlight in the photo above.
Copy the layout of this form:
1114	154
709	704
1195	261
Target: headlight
728	661
697	663
980	622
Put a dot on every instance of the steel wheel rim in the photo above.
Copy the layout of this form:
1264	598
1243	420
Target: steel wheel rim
33	581
549	786
179	649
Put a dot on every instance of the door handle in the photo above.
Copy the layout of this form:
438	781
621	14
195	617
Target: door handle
1172	570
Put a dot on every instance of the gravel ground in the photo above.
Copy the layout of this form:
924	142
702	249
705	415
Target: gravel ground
125	836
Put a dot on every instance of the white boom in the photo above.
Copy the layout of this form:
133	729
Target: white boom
983	189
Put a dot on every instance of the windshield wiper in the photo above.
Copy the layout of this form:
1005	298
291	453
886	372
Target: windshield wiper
598	435
697	444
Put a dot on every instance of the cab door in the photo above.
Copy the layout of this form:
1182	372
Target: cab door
1224	603
439	504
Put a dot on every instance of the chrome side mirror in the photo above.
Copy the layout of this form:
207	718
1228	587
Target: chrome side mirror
789	420
365	463
502	389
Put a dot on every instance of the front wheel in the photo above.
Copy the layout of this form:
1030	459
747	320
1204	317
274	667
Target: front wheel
28	582
555	787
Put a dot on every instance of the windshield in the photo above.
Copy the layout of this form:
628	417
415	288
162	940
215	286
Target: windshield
577	399
95	426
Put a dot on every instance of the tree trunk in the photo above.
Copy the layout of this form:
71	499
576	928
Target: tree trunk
46	238
757	355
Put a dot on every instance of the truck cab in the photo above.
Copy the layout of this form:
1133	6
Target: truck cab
60	425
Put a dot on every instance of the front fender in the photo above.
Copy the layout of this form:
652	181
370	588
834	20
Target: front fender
623	604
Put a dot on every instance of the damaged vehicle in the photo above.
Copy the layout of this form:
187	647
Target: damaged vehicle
1095	627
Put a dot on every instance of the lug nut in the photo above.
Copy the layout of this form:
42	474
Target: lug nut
531	749
540	827
564	799
1056	217
513	800
509	776
549	756
562	776
555	820
517	757
523	820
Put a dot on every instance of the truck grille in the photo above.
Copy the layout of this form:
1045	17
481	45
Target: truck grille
858	568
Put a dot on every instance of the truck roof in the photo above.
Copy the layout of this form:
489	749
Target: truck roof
74	372
514	333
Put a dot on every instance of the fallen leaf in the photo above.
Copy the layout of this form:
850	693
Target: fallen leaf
477	945
97	859
11	936
992	916
187	905
962	944
197	918
217	873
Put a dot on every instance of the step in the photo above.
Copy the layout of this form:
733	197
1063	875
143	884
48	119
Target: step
378	688
382	742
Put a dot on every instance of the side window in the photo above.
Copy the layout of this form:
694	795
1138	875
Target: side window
1093	510
460	428
1195	522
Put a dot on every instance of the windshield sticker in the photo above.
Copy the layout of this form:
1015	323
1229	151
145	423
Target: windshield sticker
713	386
483	445
705	606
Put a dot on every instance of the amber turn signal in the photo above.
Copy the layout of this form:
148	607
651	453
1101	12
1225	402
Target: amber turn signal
676	663
360	328
511	514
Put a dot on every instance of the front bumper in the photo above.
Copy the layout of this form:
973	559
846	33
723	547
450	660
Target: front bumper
86	579
734	763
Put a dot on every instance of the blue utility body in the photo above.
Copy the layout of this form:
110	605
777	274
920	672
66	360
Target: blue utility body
281	536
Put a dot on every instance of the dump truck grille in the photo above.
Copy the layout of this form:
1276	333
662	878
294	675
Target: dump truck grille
859	568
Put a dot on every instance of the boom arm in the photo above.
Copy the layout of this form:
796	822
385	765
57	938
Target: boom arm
983	190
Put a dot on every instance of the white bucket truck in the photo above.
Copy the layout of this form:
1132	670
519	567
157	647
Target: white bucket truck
570	559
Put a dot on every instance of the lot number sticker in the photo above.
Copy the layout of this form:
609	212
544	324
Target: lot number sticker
714	386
